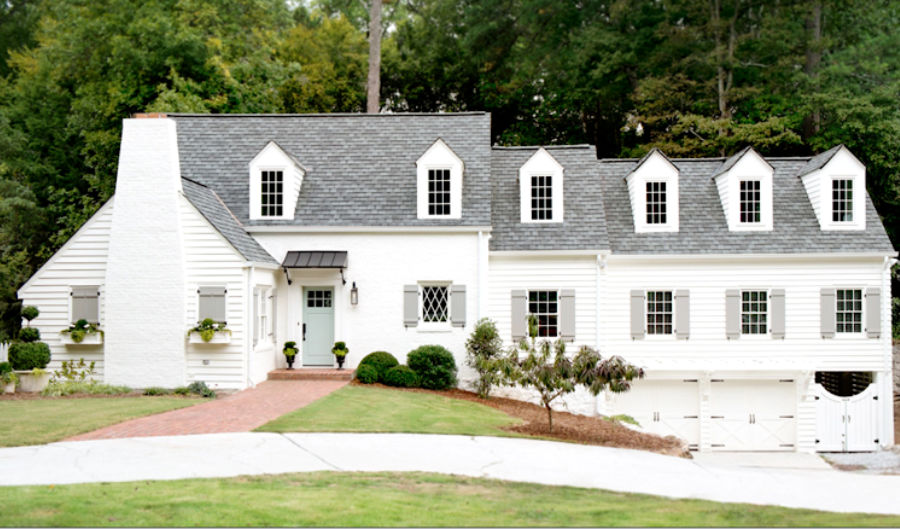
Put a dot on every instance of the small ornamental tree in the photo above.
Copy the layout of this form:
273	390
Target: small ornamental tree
484	349
545	368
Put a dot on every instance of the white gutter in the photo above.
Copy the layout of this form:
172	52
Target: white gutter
366	229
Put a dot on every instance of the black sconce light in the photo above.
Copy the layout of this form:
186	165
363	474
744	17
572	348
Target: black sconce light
354	295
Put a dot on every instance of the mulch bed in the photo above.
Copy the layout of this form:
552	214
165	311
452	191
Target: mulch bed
566	426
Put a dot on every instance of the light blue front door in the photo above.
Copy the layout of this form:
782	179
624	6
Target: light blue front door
318	326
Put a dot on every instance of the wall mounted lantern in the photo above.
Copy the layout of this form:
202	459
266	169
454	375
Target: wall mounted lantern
354	295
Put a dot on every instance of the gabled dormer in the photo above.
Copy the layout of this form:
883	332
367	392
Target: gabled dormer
653	190
541	189
835	181
439	182
745	185
275	181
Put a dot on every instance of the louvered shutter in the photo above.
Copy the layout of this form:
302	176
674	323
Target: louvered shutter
732	314
211	303
519	315
826	312
637	314
567	315
458	305
682	314
873	312
86	304
776	313
410	305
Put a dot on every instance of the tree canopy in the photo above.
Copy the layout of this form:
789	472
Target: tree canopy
695	78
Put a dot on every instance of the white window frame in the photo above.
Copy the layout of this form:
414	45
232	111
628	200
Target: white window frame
741	202
831	210
541	163
662	335
751	166
768	313
663	191
434	325
862	314
273	158
439	156
261	309
655	168
284	186
529	313
428	172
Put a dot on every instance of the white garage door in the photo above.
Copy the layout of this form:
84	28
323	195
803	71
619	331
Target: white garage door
753	414
664	407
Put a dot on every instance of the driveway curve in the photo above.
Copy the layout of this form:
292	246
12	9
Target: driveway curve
526	460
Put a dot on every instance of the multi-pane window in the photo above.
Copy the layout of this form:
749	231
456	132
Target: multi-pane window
439	191
849	311
435	304
750	201
272	194
318	298
659	312
544	306
842	200
754	312
656	202
542	197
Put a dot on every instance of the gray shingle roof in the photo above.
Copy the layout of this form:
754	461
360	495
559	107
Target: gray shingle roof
584	223
361	167
703	229
729	163
214	210
818	161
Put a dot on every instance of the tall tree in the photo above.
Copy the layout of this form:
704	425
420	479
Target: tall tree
373	85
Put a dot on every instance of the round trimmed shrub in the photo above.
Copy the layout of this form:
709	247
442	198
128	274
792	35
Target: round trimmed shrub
401	377
27	356
29	334
434	366
30	312
367	374
381	361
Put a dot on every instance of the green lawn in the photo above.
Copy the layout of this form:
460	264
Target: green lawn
385	499
373	409
31	422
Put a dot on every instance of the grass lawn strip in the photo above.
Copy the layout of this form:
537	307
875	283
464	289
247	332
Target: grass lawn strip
361	408
381	499
39	421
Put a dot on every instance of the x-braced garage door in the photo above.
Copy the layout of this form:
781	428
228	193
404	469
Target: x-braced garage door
664	407
754	415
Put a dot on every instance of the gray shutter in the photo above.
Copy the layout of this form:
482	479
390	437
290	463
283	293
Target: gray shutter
458	305
86	304
826	312
519	315
211	303
732	314
776	313
410	305
873	312
682	314
637	314
567	315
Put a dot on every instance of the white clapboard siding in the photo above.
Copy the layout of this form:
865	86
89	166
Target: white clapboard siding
506	274
707	280
81	261
211	261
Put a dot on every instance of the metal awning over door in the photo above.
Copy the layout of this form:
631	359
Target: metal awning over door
314	259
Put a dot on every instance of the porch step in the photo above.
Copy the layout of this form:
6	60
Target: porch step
311	374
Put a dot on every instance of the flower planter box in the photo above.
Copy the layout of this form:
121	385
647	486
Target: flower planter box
91	338
31	383
219	337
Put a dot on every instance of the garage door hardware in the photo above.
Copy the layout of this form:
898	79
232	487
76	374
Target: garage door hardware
787	445
752	418
785	416
691	416
716	416
717	446
786	380
717	380
690	380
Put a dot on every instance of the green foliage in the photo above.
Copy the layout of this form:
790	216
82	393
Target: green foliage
200	388
182	390
401	376
156	391
29	334
72	371
340	349
434	365
290	348
367	373
61	388
381	361
623	418
81	328
30	312
7	376
483	350
208	329
27	356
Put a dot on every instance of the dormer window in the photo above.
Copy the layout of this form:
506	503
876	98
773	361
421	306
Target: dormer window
272	194
745	184
751	202
439	181
275	181
835	182
541	189
653	190
842	200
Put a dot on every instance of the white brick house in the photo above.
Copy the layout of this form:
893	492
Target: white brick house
755	291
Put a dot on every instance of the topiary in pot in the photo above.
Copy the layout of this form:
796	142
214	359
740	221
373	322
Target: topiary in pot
27	356
290	352
381	361
367	374
340	352
401	377
434	365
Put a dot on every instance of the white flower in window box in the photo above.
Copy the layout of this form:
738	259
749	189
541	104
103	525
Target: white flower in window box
209	331
82	333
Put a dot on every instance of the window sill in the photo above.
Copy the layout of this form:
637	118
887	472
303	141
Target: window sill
425	329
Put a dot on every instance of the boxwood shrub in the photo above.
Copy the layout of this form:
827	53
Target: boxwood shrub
381	361
401	377
29	334
367	374
27	356
434	366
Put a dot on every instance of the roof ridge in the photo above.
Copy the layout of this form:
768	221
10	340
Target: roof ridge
325	115
531	147
191	180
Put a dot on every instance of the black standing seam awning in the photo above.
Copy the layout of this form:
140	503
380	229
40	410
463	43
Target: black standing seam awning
297	259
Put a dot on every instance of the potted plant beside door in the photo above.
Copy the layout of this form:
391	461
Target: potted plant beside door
340	353
290	352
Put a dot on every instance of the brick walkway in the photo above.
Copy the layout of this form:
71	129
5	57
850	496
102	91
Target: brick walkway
241	412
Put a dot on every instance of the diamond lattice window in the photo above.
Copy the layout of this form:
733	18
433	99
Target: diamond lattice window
435	304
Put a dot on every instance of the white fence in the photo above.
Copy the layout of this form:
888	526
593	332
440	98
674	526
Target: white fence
4	349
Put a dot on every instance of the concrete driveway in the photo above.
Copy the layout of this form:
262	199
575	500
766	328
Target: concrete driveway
527	460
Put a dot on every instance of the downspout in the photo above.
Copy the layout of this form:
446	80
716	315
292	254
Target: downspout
248	337
601	271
